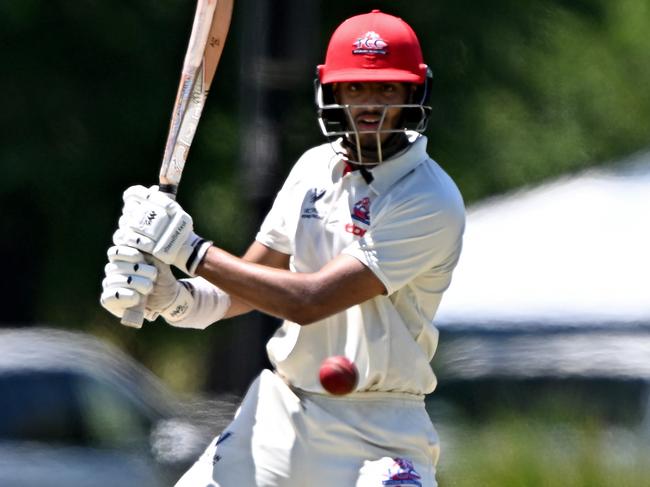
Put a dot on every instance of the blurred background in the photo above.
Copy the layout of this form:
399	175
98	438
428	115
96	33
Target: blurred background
541	114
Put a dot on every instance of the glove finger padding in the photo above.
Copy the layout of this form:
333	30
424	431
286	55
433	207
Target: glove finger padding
128	279
125	237
117	299
131	281
139	284
138	191
121	253
165	287
129	269
152	193
128	261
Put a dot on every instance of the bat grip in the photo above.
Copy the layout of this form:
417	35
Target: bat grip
134	316
169	189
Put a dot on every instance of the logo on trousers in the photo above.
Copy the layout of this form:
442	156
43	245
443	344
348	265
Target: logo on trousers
222	437
402	473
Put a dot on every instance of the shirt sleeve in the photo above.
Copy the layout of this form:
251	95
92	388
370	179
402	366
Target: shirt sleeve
409	239
278	229
274	231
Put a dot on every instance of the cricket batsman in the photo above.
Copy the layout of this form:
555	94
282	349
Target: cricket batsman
354	256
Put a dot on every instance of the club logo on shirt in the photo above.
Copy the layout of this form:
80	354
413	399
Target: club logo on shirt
313	196
402	473
311	213
360	213
317	194
370	43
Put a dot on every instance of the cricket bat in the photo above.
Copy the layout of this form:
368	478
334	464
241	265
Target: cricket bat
209	31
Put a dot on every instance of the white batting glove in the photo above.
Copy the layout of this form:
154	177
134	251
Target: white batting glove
154	223
130	279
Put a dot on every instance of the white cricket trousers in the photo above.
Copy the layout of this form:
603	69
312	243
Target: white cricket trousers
281	437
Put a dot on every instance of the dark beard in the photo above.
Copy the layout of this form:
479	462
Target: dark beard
396	142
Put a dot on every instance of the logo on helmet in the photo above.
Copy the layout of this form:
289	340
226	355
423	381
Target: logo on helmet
370	43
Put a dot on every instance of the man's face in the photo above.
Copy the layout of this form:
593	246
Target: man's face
367	119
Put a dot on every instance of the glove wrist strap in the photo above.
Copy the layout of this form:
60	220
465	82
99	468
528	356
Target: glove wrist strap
199	248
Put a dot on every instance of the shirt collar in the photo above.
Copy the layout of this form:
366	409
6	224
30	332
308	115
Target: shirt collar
391	170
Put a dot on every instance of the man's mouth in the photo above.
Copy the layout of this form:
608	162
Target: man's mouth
368	121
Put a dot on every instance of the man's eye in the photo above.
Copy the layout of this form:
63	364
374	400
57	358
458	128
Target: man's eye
354	87
389	88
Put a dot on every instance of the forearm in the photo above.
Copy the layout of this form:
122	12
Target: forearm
278	292
260	280
303	298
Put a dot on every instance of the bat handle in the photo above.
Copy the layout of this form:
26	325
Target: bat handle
169	189
134	316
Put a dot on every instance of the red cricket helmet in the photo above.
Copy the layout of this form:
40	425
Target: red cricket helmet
373	47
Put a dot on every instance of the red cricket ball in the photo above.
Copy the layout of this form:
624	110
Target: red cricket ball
338	375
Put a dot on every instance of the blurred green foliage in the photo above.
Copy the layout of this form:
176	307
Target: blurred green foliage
523	91
541	432
541	451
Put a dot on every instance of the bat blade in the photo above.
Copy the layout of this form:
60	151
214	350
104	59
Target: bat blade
209	31
211	25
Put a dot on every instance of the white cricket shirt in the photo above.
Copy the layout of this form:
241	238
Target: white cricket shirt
406	226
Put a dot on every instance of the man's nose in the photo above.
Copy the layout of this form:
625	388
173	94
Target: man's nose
372	97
